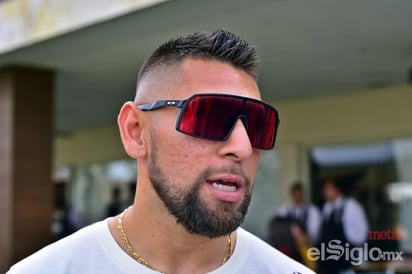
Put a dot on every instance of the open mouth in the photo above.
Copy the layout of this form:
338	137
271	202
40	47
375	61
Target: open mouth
226	186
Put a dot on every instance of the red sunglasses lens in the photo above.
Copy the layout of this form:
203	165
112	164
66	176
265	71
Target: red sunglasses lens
213	117
262	124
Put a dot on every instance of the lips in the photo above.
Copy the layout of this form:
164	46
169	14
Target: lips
227	187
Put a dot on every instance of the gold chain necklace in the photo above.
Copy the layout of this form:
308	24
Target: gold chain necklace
142	261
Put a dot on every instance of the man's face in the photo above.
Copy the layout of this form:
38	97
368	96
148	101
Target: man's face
330	192
297	196
190	209
206	185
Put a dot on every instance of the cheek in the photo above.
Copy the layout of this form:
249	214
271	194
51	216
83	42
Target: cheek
177	154
327	193
252	164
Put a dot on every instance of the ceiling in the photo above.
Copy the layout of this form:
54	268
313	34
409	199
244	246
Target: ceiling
307	48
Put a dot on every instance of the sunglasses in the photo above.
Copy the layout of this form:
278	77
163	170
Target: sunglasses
213	116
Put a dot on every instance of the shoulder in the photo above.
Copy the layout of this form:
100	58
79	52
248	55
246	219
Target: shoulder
352	204
312	208
61	255
284	209
263	258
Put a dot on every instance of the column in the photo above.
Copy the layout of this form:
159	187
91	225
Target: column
26	132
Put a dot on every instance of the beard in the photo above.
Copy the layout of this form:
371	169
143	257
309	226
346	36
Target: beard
189	209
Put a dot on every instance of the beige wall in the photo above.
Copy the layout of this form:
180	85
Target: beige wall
362	116
355	117
88	145
358	116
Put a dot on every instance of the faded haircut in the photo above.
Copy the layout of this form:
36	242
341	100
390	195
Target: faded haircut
219	45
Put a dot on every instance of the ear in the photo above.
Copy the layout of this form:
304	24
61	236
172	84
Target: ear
130	122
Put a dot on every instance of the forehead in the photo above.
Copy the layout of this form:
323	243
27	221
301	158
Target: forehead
197	75
329	184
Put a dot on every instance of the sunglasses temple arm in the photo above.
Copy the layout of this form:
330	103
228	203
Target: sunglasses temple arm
161	103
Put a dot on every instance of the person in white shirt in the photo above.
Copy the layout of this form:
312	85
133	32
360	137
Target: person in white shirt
344	222
304	213
196	127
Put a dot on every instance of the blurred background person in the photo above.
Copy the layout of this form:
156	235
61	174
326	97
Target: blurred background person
290	238
131	193
304	213
65	219
343	219
116	204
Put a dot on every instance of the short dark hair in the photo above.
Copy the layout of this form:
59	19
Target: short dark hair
219	45
337	182
345	183
296	186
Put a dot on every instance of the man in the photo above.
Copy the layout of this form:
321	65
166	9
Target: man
344	226
301	212
196	128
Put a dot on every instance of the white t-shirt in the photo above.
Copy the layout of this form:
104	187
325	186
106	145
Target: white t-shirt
94	250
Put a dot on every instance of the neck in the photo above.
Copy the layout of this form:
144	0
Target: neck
164	244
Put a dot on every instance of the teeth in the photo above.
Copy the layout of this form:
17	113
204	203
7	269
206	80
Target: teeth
223	187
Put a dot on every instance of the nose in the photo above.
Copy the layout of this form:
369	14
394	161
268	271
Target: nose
238	144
